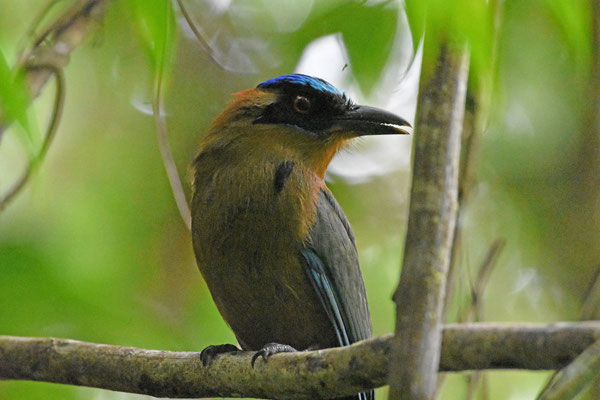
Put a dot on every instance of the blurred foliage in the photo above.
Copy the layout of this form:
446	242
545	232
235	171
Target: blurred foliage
14	101
455	21
368	43
94	249
156	27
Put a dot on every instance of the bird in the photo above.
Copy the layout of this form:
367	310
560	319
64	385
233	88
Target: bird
273	245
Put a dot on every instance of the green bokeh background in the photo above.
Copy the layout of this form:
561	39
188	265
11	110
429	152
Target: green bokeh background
94	248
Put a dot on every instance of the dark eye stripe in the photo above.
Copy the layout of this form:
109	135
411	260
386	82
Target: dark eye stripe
310	109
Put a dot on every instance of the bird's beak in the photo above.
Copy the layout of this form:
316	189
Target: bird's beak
365	120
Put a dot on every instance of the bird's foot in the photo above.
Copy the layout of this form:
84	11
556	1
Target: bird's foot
208	355
270	349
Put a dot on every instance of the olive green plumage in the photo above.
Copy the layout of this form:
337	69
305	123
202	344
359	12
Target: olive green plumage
276	251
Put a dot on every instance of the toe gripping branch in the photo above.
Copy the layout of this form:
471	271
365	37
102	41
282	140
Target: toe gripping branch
208	355
270	349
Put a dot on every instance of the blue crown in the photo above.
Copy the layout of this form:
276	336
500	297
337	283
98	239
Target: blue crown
300	79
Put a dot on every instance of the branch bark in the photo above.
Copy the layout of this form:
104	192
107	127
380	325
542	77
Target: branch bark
316	374
569	381
432	217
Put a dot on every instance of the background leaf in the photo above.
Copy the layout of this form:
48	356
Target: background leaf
14	101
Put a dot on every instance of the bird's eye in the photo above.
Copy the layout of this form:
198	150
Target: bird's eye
301	104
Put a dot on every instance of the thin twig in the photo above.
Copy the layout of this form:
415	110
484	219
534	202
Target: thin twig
324	373
569	381
591	302
30	34
591	311
47	56
204	42
163	136
476	380
59	101
473	312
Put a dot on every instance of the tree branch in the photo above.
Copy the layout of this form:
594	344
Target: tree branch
321	374
432	217
569	381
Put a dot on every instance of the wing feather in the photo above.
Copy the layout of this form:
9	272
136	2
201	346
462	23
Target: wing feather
331	264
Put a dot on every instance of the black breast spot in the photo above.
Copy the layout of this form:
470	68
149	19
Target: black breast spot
282	173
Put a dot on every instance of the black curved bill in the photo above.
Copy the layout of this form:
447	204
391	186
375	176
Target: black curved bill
365	120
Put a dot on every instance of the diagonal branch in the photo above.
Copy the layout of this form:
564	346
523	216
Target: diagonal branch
316	374
569	381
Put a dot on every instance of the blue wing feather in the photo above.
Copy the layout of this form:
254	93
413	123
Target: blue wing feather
318	277
331	264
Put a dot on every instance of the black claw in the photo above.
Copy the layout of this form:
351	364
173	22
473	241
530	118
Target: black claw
260	353
208	355
270	349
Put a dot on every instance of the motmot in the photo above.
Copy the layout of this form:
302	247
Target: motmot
276	251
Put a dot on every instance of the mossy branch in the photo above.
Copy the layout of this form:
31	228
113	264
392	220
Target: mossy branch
432	217
316	374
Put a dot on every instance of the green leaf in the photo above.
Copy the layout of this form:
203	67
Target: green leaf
573	20
462	22
478	33
156	27
14	100
368	32
416	11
